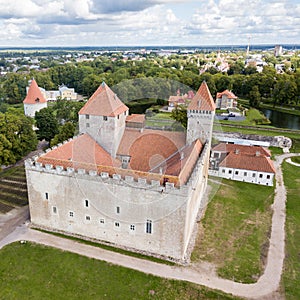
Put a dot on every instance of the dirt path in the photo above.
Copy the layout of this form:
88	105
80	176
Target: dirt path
267	284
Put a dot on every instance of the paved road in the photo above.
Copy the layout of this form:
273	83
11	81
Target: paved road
264	288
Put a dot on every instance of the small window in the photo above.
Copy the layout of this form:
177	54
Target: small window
86	203
245	173
88	218
253	175
102	221
268	176
132	227
54	209
236	173
87	125
118	209
117	224
118	117
105	118
223	171
46	196
71	214
87	116
149	226
260	175
230	171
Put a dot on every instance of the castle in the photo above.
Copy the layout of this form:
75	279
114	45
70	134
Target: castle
120	183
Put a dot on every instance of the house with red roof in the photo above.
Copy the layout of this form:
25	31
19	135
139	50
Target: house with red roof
226	100
243	163
179	99
122	184
34	100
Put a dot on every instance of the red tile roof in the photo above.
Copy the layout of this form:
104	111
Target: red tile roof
34	94
248	162
136	118
81	152
104	102
229	94
150	147
243	149
203	99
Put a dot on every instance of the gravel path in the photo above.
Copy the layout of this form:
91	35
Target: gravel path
265	287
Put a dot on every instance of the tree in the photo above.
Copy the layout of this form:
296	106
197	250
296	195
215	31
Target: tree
254	97
180	115
17	138
65	132
46	123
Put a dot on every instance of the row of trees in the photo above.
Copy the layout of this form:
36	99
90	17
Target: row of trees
58	122
85	78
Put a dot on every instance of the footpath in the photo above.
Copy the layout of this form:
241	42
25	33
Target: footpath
264	288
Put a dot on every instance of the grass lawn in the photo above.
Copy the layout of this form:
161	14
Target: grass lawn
30	271
291	275
253	117
296	159
234	233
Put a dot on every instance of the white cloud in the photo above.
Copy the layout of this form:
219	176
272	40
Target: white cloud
136	22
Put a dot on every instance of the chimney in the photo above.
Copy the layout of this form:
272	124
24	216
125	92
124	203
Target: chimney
181	155
257	153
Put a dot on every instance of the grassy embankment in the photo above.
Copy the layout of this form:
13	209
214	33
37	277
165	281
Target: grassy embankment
13	189
291	274
234	232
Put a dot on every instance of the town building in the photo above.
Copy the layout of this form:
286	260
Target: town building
226	100
63	92
34	100
122	184
179	99
243	163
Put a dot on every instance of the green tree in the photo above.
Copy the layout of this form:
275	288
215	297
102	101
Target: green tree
180	115
17	136
65	132
254	97
46	123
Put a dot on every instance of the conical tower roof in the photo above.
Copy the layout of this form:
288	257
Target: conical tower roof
104	102
34	94
203	99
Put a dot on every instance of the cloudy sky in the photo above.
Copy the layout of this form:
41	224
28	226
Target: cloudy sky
148	22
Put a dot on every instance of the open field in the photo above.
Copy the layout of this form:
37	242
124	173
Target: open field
234	232
291	275
13	189
30	271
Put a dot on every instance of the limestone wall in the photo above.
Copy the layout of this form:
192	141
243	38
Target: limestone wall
116	210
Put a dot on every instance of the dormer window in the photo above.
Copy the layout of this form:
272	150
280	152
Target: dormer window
37	100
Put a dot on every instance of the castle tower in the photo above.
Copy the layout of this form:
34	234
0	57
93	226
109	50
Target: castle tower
103	118
200	113
34	100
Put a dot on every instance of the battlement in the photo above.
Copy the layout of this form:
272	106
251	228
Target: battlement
105	177
184	182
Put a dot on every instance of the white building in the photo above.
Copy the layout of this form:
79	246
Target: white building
122	184
243	163
34	100
226	100
63	92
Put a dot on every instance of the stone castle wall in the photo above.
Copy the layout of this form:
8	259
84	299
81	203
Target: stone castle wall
117	208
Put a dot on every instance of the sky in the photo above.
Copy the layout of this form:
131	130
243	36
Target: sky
32	23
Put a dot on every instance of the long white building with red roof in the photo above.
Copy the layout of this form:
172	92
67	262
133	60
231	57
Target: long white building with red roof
243	163
122	184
